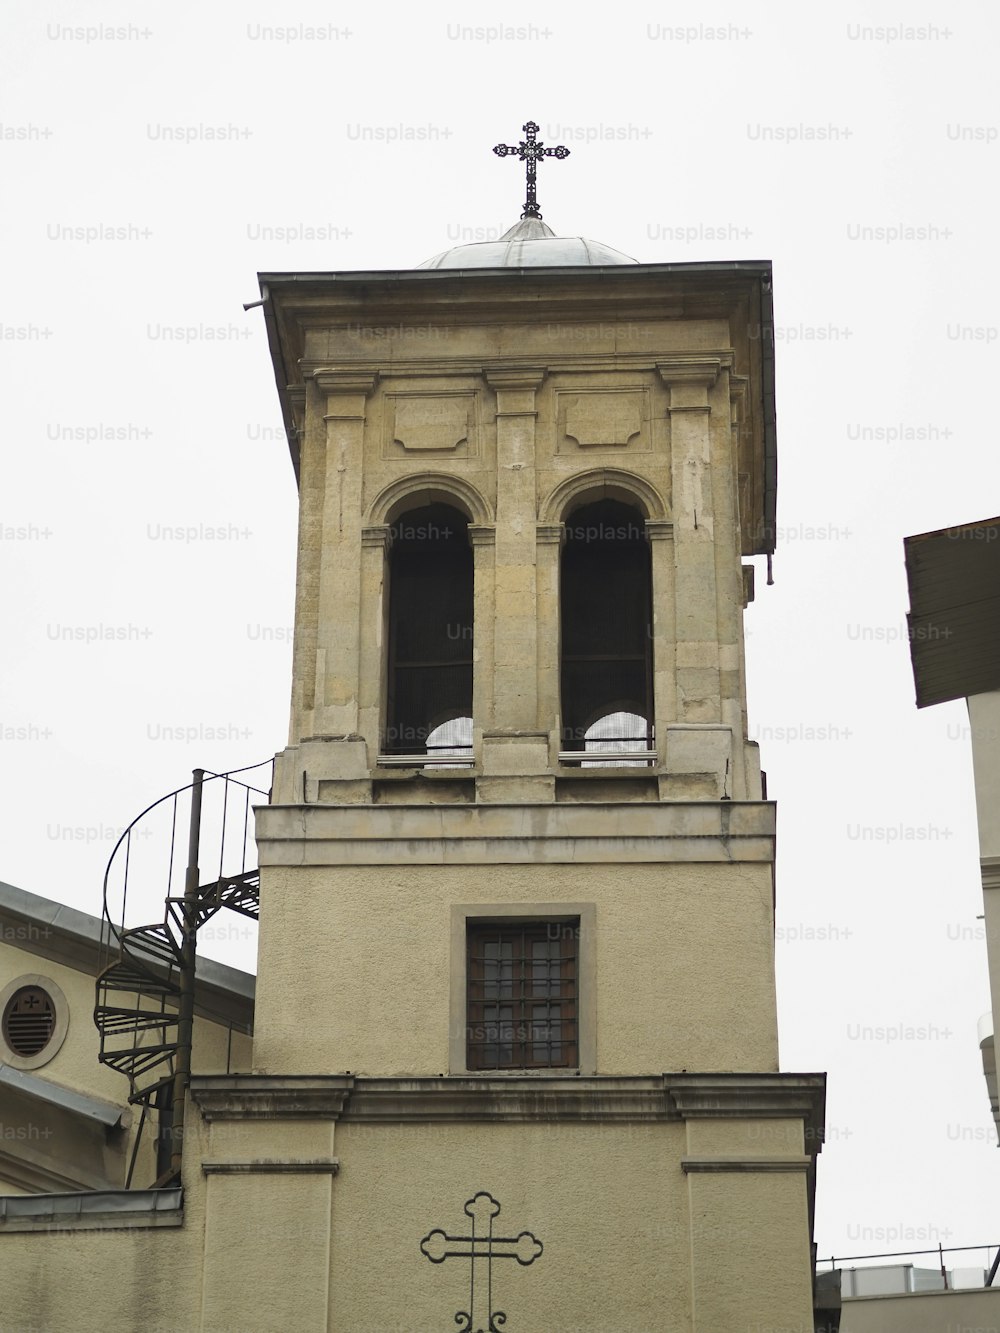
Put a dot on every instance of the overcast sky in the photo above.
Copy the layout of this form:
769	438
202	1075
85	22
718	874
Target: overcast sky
156	157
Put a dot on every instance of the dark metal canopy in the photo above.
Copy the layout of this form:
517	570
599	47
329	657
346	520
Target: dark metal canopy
954	617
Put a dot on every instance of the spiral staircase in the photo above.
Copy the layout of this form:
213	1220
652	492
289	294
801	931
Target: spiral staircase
146	985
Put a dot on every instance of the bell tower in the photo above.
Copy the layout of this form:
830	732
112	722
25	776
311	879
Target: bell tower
515	992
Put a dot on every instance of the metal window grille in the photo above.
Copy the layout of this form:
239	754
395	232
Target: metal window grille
522	1001
613	739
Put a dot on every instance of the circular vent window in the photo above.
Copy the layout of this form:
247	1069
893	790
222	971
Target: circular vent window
29	1020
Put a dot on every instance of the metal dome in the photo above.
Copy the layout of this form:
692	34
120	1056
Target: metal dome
530	243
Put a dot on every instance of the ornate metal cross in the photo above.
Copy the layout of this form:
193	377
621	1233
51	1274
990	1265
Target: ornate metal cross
531	153
482	1247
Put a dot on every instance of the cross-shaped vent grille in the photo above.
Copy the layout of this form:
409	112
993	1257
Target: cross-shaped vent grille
28	1020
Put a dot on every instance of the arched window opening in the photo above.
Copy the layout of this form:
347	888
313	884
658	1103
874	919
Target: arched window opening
429	687
606	622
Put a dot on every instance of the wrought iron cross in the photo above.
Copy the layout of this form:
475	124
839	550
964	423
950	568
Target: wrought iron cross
482	1247
531	153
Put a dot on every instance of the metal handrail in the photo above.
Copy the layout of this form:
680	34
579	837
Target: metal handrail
209	776
903	1254
170	971
465	759
644	753
940	1251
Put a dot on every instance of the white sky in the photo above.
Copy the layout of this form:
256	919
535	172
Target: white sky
378	138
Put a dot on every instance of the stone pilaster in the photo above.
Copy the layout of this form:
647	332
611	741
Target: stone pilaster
338	666
689	379
376	541
660	533
515	673
549	541
699	765
312	480
729	571
483	539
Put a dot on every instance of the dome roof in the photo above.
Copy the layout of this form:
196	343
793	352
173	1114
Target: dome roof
530	243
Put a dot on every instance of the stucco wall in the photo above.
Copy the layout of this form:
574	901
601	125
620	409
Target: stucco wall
99	1281
630	1240
684	963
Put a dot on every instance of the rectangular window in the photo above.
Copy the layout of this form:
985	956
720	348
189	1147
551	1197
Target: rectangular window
522	994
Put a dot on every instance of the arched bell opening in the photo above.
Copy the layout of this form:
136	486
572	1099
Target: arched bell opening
606	668
429	677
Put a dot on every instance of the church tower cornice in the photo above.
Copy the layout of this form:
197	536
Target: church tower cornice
436	323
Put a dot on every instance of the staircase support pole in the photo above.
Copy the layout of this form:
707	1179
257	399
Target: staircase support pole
185	1002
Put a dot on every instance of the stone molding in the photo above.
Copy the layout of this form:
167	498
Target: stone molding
605	482
378	535
550	534
694	369
689	380
330	380
737	1164
271	1097
471	368
591	833
659	529
514	377
515	735
482	534
424	487
521	1098
989	869
272	1167
734	1096
508	1099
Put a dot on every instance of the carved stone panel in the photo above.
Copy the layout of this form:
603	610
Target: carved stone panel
603	419
430	423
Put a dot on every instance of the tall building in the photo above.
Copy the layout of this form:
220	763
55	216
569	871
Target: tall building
515	1058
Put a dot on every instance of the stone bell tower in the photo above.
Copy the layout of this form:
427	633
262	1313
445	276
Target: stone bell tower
516	988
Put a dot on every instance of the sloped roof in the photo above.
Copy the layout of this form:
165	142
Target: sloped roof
54	930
